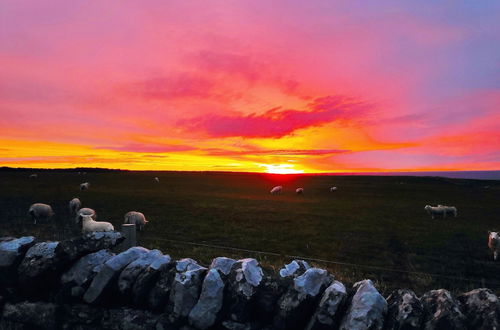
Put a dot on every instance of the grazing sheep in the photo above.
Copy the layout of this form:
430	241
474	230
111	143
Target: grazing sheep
276	190
157	179
137	218
74	205
299	191
85	211
494	243
441	210
39	211
84	186
333	189
89	224
33	176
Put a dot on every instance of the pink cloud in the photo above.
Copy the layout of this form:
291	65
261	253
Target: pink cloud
148	148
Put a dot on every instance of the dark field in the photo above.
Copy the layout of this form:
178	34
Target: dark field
373	222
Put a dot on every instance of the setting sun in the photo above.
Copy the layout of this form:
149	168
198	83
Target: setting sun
281	169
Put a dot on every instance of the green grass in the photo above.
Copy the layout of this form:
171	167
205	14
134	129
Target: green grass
370	221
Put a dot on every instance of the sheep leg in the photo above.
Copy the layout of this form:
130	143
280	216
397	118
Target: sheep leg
495	255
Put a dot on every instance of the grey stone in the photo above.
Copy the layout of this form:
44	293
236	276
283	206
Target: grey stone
441	311
159	294
481	308
294	268
405	310
270	290
79	246
185	291
327	315
186	264
146	280
244	280
110	271
232	325
38	315
12	252
128	319
367	309
222	264
205	312
297	305
81	317
129	275
77	279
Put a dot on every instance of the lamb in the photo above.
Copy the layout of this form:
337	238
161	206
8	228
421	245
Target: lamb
440	210
137	218
157	179
332	189
276	190
74	205
39	211
494	243
89	224
84	186
85	211
33	176
299	191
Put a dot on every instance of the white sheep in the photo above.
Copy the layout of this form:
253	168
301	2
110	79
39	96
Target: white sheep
332	189
136	218
33	176
85	211
39	211
494	243
299	191
89	224
157	179
441	210
84	186
74	205
276	190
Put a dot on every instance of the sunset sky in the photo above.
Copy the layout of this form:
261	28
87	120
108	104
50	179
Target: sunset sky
267	86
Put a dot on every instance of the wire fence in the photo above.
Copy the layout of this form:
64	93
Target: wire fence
326	261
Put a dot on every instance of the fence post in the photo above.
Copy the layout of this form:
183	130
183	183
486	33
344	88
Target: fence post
128	230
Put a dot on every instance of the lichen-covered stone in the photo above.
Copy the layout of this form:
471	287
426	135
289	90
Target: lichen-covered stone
110	271
79	246
81	317
294	268
159	294
205	312
185	291
405	311
128	319
296	306
12	252
442	311
222	264
244	280
129	275
481	308
327	315
367	310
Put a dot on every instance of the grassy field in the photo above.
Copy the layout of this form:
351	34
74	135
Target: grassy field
372	222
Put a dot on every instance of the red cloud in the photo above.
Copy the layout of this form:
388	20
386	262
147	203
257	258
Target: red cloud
279	152
276	122
148	148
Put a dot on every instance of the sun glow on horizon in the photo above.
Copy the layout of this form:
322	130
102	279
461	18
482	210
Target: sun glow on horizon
281	169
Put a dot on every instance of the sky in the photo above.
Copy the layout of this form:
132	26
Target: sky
262	86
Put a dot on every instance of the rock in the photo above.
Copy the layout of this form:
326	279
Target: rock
186	264
38	315
244	280
205	312
110	271
441	311
129	275
128	319
222	264
294	269
12	252
367	309
405	310
327	315
271	289
297	305
159	294
481	308
39	270
79	246
77	279
81	317
146	280
231	325
185	291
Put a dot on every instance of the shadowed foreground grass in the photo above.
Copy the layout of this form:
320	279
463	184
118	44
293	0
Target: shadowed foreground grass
371	221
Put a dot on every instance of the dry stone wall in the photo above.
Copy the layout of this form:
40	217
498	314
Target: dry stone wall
81	284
